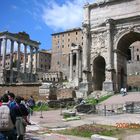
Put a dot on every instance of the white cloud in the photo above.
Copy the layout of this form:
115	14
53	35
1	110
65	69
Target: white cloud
14	7
65	16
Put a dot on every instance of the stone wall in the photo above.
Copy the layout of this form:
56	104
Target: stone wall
24	90
133	80
65	93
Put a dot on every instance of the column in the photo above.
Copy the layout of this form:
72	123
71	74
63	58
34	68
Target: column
86	55
108	83
80	65
4	45
77	64
0	46
25	56
11	54
18	57
11	61
109	42
71	66
31	55
36	52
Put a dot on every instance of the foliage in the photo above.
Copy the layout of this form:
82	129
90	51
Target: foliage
43	107
88	130
92	101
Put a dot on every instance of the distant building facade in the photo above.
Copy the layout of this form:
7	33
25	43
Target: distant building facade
62	43
43	61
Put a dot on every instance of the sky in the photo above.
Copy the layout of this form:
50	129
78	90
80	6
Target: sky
41	18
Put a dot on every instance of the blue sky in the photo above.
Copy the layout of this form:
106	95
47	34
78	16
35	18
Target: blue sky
41	18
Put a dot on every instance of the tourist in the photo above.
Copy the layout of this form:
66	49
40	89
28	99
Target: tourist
125	91
97	98
21	114
11	97
122	91
0	101
31	104
6	117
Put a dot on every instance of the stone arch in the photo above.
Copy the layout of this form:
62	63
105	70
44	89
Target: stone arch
98	72
122	49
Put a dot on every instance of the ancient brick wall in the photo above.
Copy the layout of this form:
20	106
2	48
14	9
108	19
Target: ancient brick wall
134	80
23	90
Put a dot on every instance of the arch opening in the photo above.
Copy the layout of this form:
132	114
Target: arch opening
125	56
98	73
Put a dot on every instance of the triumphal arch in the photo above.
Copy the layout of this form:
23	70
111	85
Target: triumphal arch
16	57
109	28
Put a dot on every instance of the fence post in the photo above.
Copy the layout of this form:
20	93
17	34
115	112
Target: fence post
105	110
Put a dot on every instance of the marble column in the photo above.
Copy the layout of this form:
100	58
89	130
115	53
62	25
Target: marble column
109	42
4	45
25	57
77	65
11	61
11	54
36	52
18	57
108	83
80	66
86	55
31	55
71	66
0	46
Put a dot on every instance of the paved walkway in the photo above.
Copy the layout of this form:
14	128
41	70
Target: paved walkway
119	99
52	120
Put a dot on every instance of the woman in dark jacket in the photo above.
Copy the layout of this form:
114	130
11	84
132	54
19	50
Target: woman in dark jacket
21	114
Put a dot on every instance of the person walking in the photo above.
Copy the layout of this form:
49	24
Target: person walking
7	120
31	104
21	114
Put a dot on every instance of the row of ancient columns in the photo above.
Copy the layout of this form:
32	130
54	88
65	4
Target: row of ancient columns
78	73
3	48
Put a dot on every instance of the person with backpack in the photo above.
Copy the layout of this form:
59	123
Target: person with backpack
21	114
7	120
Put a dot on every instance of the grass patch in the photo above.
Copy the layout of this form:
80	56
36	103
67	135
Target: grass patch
92	101
43	107
88	130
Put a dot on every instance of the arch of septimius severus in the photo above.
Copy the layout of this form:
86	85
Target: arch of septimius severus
15	74
109	28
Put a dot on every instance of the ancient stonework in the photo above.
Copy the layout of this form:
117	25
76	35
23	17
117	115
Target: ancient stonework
113	25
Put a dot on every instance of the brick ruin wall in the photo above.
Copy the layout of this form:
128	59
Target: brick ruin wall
27	90
22	90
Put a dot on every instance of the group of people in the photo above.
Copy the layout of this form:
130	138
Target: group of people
123	91
14	116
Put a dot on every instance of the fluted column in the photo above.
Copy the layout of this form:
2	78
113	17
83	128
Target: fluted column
18	57
71	66
25	57
4	45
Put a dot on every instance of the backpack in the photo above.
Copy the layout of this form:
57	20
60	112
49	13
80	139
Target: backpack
5	118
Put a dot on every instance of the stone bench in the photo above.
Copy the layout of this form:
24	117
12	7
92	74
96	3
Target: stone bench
100	137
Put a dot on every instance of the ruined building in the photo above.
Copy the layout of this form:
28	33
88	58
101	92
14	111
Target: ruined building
14	50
